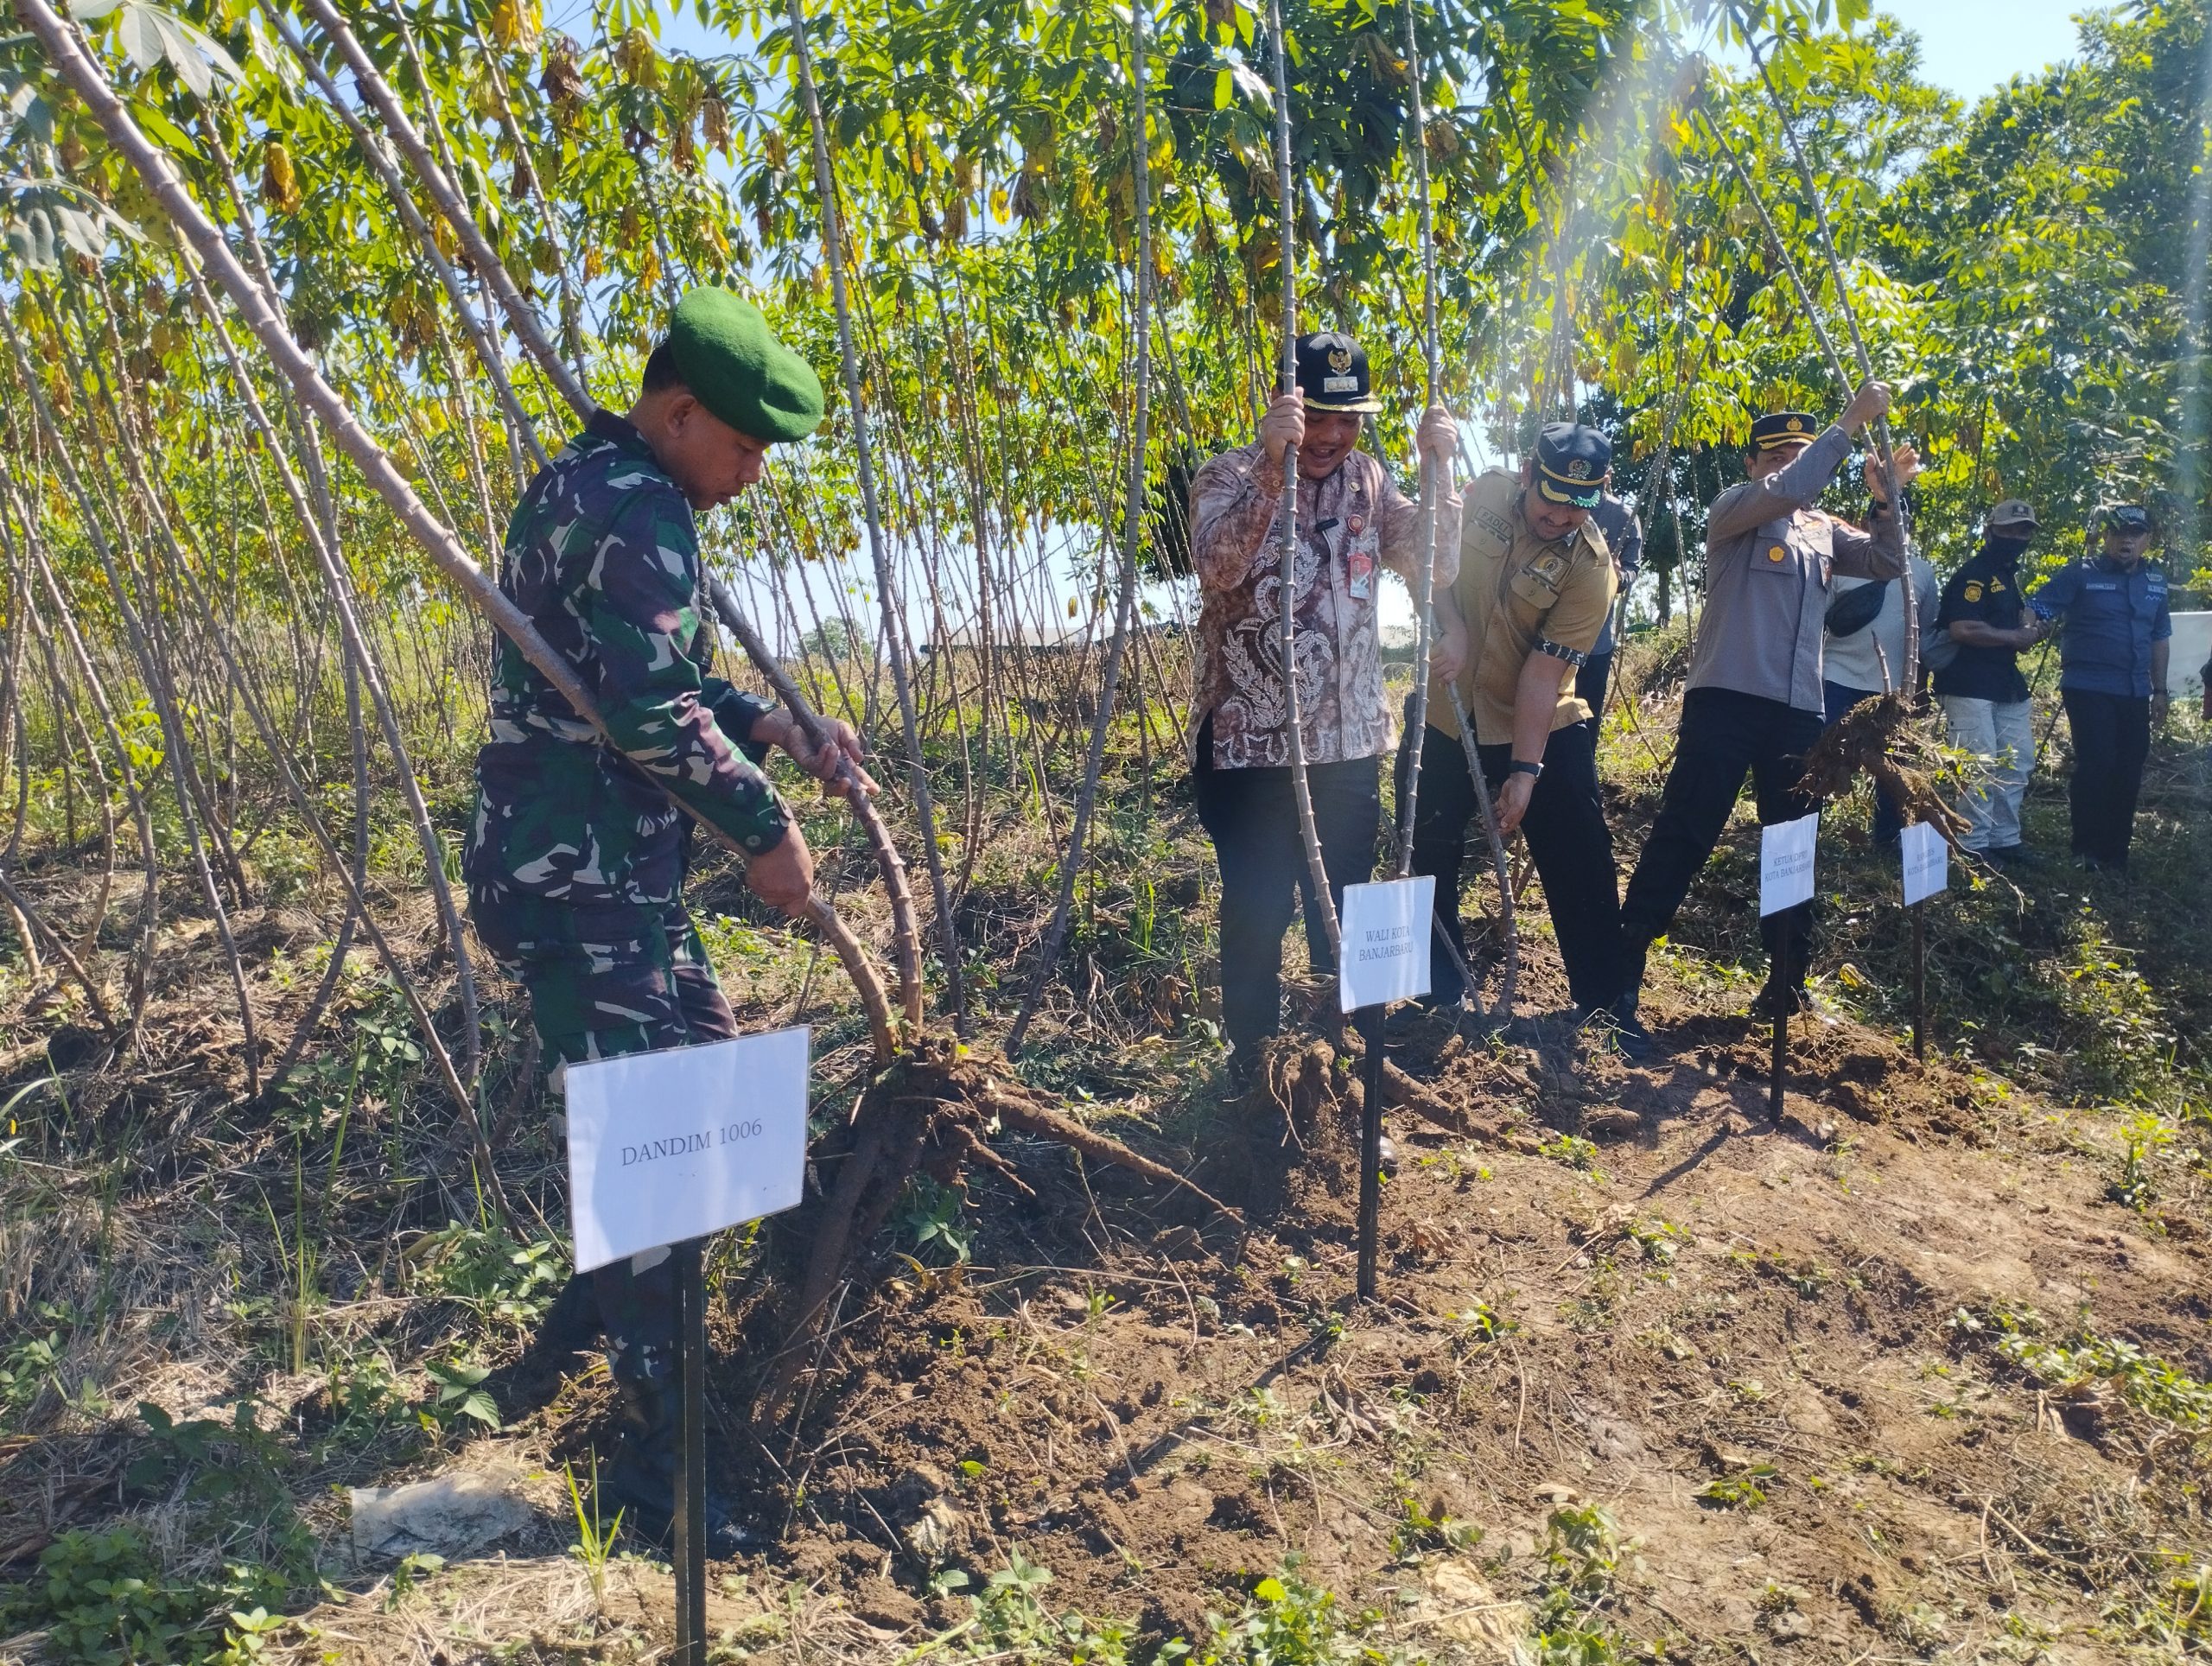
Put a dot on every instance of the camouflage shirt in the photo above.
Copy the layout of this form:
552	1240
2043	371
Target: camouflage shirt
603	556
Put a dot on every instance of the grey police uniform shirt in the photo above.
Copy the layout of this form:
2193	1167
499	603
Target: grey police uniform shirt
1768	557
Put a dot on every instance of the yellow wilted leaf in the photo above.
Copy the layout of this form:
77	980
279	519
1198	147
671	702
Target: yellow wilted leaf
515	23
1072	607
638	58
280	182
1849	977
714	121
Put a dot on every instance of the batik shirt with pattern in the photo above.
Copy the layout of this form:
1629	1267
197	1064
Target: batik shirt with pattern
1349	524
602	555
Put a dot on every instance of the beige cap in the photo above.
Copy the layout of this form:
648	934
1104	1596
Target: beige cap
2013	512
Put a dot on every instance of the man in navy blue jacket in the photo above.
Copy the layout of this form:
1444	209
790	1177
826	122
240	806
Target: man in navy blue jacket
2112	674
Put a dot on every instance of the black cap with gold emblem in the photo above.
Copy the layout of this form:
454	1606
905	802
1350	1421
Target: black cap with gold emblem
1781	428
1333	373
1571	463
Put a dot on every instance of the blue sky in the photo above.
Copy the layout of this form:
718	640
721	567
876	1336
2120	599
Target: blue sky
1971	46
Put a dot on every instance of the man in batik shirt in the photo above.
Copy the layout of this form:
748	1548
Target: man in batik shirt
1353	521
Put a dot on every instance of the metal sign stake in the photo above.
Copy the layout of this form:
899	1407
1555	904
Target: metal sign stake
691	1453
1370	1148
1774	1068
1920	981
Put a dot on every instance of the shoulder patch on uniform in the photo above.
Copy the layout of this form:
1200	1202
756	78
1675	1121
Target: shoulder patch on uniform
1996	587
1974	590
1774	552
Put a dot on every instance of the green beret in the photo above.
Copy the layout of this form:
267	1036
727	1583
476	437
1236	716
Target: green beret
732	362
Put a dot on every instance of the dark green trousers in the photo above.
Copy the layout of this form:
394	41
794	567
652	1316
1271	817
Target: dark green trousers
608	980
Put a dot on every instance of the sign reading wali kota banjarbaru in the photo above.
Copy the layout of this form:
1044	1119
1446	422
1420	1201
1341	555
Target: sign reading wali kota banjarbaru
1385	937
673	1145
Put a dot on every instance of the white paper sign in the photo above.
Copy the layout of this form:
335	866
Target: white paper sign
672	1145
1927	862
1786	863
1385	932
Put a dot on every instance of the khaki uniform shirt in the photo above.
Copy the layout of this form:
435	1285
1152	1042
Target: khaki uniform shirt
1515	587
1768	557
1351	526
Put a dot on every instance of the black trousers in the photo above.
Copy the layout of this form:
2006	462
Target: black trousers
1591	683
1252	819
1725	736
2112	741
1566	834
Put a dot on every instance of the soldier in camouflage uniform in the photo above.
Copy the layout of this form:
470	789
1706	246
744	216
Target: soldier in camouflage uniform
577	853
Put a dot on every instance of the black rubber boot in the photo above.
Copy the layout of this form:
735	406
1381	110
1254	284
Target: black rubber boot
640	1480
571	1324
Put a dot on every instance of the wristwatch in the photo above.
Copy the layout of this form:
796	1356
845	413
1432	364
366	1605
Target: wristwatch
1522	766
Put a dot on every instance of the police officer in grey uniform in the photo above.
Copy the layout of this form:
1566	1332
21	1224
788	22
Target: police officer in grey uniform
1755	701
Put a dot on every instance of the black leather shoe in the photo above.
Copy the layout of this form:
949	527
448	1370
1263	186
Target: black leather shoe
1618	1025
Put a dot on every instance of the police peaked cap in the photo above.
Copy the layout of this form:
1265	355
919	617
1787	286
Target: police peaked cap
1781	428
1333	373
1571	463
733	365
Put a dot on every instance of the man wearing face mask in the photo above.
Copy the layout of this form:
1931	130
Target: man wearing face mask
577	853
1352	522
1756	701
1535	591
1985	697
2113	650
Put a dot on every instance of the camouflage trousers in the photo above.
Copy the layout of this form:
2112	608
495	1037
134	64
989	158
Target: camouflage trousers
605	980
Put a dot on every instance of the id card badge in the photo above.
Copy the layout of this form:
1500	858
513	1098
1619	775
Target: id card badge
1359	561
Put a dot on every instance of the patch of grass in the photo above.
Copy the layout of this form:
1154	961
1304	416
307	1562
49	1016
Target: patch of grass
102	1600
1741	1491
485	1271
1428	1527
2146	1382
1574	1151
1289	1622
